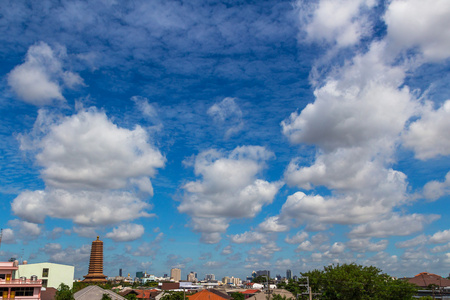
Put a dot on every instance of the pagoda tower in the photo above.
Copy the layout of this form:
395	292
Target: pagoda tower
96	263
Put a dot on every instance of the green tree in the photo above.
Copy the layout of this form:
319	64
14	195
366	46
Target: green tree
278	297
356	282
131	297
260	279
106	297
64	293
173	296
237	296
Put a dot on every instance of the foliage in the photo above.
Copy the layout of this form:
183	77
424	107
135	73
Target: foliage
278	297
131	297
64	293
291	286
106	297
173	296
260	279
237	296
151	283
351	281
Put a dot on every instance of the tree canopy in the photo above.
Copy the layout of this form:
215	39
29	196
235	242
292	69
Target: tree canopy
356	282
64	293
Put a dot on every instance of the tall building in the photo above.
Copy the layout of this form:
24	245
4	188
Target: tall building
210	277
226	280
263	273
175	273
191	277
95	273
288	274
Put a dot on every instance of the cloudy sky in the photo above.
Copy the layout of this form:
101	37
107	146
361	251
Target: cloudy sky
226	137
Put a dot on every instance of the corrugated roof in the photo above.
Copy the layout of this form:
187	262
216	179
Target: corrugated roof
94	292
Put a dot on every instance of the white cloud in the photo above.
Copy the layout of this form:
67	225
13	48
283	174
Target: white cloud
430	23
227	250
365	245
265	251
306	246
434	190
40	79
87	163
229	189
248	237
88	232
89	208
340	22
299	237
8	236
272	224
337	248
25	229
126	232
417	241
228	115
440	237
394	225
428	136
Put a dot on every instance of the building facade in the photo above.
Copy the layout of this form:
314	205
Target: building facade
175	274
288	274
52	275
18	288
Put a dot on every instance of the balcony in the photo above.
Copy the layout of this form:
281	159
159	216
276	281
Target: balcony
16	282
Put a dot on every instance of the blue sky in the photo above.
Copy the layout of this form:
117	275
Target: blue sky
226	137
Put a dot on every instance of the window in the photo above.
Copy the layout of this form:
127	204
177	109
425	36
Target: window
2	276
23	291
44	282
45	272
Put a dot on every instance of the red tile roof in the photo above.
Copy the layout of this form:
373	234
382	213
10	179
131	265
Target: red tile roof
425	279
209	295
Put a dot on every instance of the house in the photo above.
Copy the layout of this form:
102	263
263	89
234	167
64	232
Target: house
18	288
263	296
94	292
52	275
426	279
209	294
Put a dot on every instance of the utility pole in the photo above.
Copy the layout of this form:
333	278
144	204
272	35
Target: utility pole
308	288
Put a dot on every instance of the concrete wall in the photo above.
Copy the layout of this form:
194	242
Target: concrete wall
57	273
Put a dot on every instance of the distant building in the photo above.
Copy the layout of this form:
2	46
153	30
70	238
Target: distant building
192	277
175	273
120	272
263	273
225	280
139	274
295	278
210	277
52	275
288	274
18	288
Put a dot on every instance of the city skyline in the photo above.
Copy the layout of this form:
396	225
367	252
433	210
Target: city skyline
225	137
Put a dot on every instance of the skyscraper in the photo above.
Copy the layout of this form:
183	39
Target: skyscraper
95	273
175	273
288	274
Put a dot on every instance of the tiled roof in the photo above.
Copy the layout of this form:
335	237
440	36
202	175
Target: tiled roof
94	292
209	294
425	279
250	292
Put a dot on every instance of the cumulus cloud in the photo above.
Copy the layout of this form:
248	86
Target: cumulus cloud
299	237
87	163
228	115
434	190
41	78
248	237
227	250
431	25
394	225
272	224
342	22
428	136
8	236
25	229
126	232
365	245
440	237
229	189
417	241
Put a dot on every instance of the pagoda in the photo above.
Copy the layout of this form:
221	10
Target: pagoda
95	273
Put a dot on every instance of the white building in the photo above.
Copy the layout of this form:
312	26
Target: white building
175	273
52	275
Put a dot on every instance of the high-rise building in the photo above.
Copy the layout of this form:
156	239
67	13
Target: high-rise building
263	273
288	274
210	277
191	277
225	280
175	273
95	273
